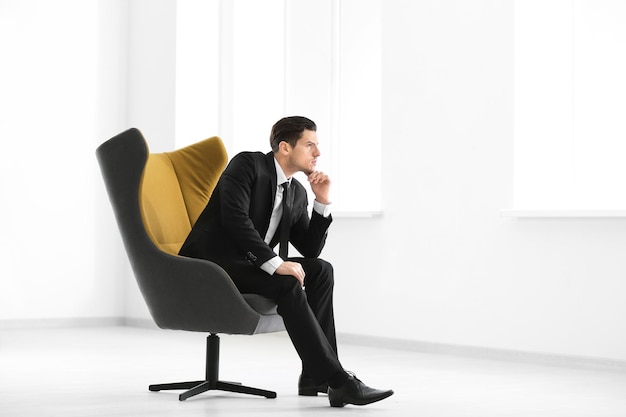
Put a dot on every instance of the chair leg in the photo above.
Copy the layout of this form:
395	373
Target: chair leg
174	385
242	389
212	381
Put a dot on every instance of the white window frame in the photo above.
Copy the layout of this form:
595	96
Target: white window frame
320	59
570	139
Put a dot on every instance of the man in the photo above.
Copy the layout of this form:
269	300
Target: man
256	204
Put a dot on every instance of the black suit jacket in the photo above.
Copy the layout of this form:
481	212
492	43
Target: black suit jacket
235	221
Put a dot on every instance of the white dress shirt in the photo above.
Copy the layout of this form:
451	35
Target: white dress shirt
324	209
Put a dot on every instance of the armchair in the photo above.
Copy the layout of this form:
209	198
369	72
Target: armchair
156	199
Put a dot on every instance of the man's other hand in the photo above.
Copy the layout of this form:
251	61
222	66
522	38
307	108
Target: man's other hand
292	268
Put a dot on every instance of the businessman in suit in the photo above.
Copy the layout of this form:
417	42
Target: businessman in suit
256	205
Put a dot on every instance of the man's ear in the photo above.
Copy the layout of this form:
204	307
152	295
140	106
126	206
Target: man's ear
284	147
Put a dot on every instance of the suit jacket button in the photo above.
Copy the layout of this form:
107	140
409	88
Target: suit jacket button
251	256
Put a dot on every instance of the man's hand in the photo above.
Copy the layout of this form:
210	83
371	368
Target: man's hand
320	185
292	268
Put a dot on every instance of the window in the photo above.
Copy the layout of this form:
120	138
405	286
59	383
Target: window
251	63
570	89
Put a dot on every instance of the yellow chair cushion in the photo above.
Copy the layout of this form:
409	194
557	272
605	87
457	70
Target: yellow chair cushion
175	188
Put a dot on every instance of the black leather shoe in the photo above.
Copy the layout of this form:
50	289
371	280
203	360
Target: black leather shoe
355	392
307	387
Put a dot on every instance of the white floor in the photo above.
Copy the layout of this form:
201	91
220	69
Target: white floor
106	372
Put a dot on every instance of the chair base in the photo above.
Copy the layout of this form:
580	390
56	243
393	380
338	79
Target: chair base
211	382
198	387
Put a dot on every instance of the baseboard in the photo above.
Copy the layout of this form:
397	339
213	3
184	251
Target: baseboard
141	323
538	358
77	322
62	322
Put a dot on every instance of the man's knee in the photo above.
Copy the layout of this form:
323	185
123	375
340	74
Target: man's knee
322	271
327	269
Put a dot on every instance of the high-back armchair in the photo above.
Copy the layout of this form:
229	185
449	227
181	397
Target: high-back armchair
157	199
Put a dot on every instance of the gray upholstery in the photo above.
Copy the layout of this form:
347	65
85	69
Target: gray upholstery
181	293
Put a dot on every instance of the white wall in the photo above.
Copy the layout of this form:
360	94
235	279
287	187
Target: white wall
448	268
74	73
62	89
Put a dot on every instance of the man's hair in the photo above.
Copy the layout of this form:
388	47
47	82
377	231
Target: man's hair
289	129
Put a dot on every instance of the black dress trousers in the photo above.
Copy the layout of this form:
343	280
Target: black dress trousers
307	314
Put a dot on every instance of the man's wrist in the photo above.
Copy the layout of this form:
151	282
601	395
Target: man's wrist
321	208
270	266
324	201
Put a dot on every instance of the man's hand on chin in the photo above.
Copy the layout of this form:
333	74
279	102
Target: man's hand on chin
320	185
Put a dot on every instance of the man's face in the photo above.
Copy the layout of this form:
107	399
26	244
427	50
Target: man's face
303	157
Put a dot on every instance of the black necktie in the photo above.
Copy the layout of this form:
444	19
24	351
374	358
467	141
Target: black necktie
285	222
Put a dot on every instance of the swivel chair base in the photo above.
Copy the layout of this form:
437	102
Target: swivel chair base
212	381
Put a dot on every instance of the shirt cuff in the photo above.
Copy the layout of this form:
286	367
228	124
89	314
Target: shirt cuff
323	209
272	265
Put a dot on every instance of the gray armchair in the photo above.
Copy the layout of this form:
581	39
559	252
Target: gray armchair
156	199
